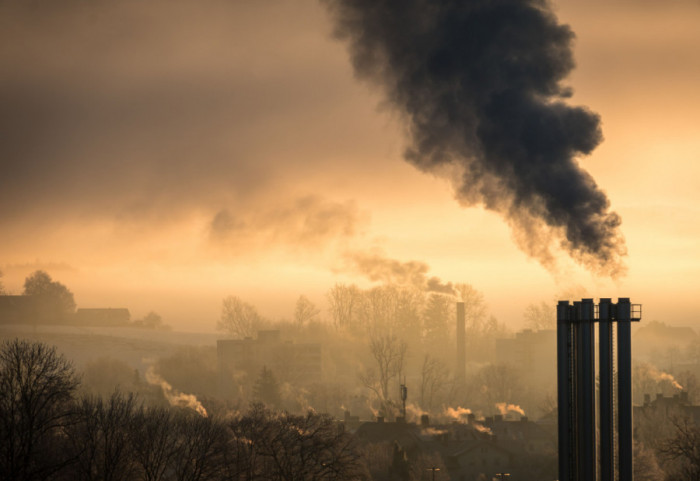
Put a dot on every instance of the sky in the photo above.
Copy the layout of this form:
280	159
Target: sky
163	155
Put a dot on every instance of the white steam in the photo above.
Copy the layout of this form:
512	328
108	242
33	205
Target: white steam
505	408
175	397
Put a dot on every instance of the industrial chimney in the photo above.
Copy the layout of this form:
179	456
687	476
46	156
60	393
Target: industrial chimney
460	370
578	447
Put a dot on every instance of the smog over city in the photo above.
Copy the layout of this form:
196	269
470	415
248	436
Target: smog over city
327	239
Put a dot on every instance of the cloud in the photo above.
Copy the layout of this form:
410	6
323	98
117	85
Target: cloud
147	112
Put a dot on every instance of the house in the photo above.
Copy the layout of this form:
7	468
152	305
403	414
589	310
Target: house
476	449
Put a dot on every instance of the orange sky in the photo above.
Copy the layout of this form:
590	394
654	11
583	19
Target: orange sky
160	157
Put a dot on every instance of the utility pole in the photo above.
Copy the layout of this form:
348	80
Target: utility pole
433	469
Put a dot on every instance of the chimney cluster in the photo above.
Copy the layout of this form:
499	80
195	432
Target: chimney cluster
578	447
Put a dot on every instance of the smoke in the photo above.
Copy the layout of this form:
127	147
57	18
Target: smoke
175	397
433	432
458	414
482	429
504	409
478	85
414	411
297	396
377	267
310	221
373	410
660	376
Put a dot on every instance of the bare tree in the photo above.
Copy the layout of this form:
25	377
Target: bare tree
305	312
36	388
434	377
288	447
239	319
684	448
389	354
540	316
153	442
343	300
100	439
201	444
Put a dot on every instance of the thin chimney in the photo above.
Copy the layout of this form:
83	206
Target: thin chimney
461	348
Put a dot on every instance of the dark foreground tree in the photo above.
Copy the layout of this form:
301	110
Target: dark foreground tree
288	447
200	447
36	389
153	441
99	438
683	449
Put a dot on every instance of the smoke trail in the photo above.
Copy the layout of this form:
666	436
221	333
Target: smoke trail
414	412
458	414
377	267
482	429
433	432
478	84
505	408
660	376
175	397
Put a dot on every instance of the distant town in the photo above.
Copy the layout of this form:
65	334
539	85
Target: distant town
384	363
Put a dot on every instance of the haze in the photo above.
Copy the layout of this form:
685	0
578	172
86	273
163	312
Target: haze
163	156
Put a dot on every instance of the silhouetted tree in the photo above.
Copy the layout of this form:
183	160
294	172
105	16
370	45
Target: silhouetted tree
239	319
100	438
684	448
36	388
201	444
153	442
287	447
55	299
2	287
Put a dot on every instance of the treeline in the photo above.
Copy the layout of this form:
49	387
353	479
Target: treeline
377	338
424	319
48	432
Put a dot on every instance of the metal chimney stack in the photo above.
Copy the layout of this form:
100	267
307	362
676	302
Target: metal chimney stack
461	367
578	447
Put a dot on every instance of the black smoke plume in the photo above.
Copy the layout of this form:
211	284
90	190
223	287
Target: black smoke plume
478	83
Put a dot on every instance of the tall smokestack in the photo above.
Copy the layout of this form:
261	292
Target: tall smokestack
479	84
578	447
460	370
